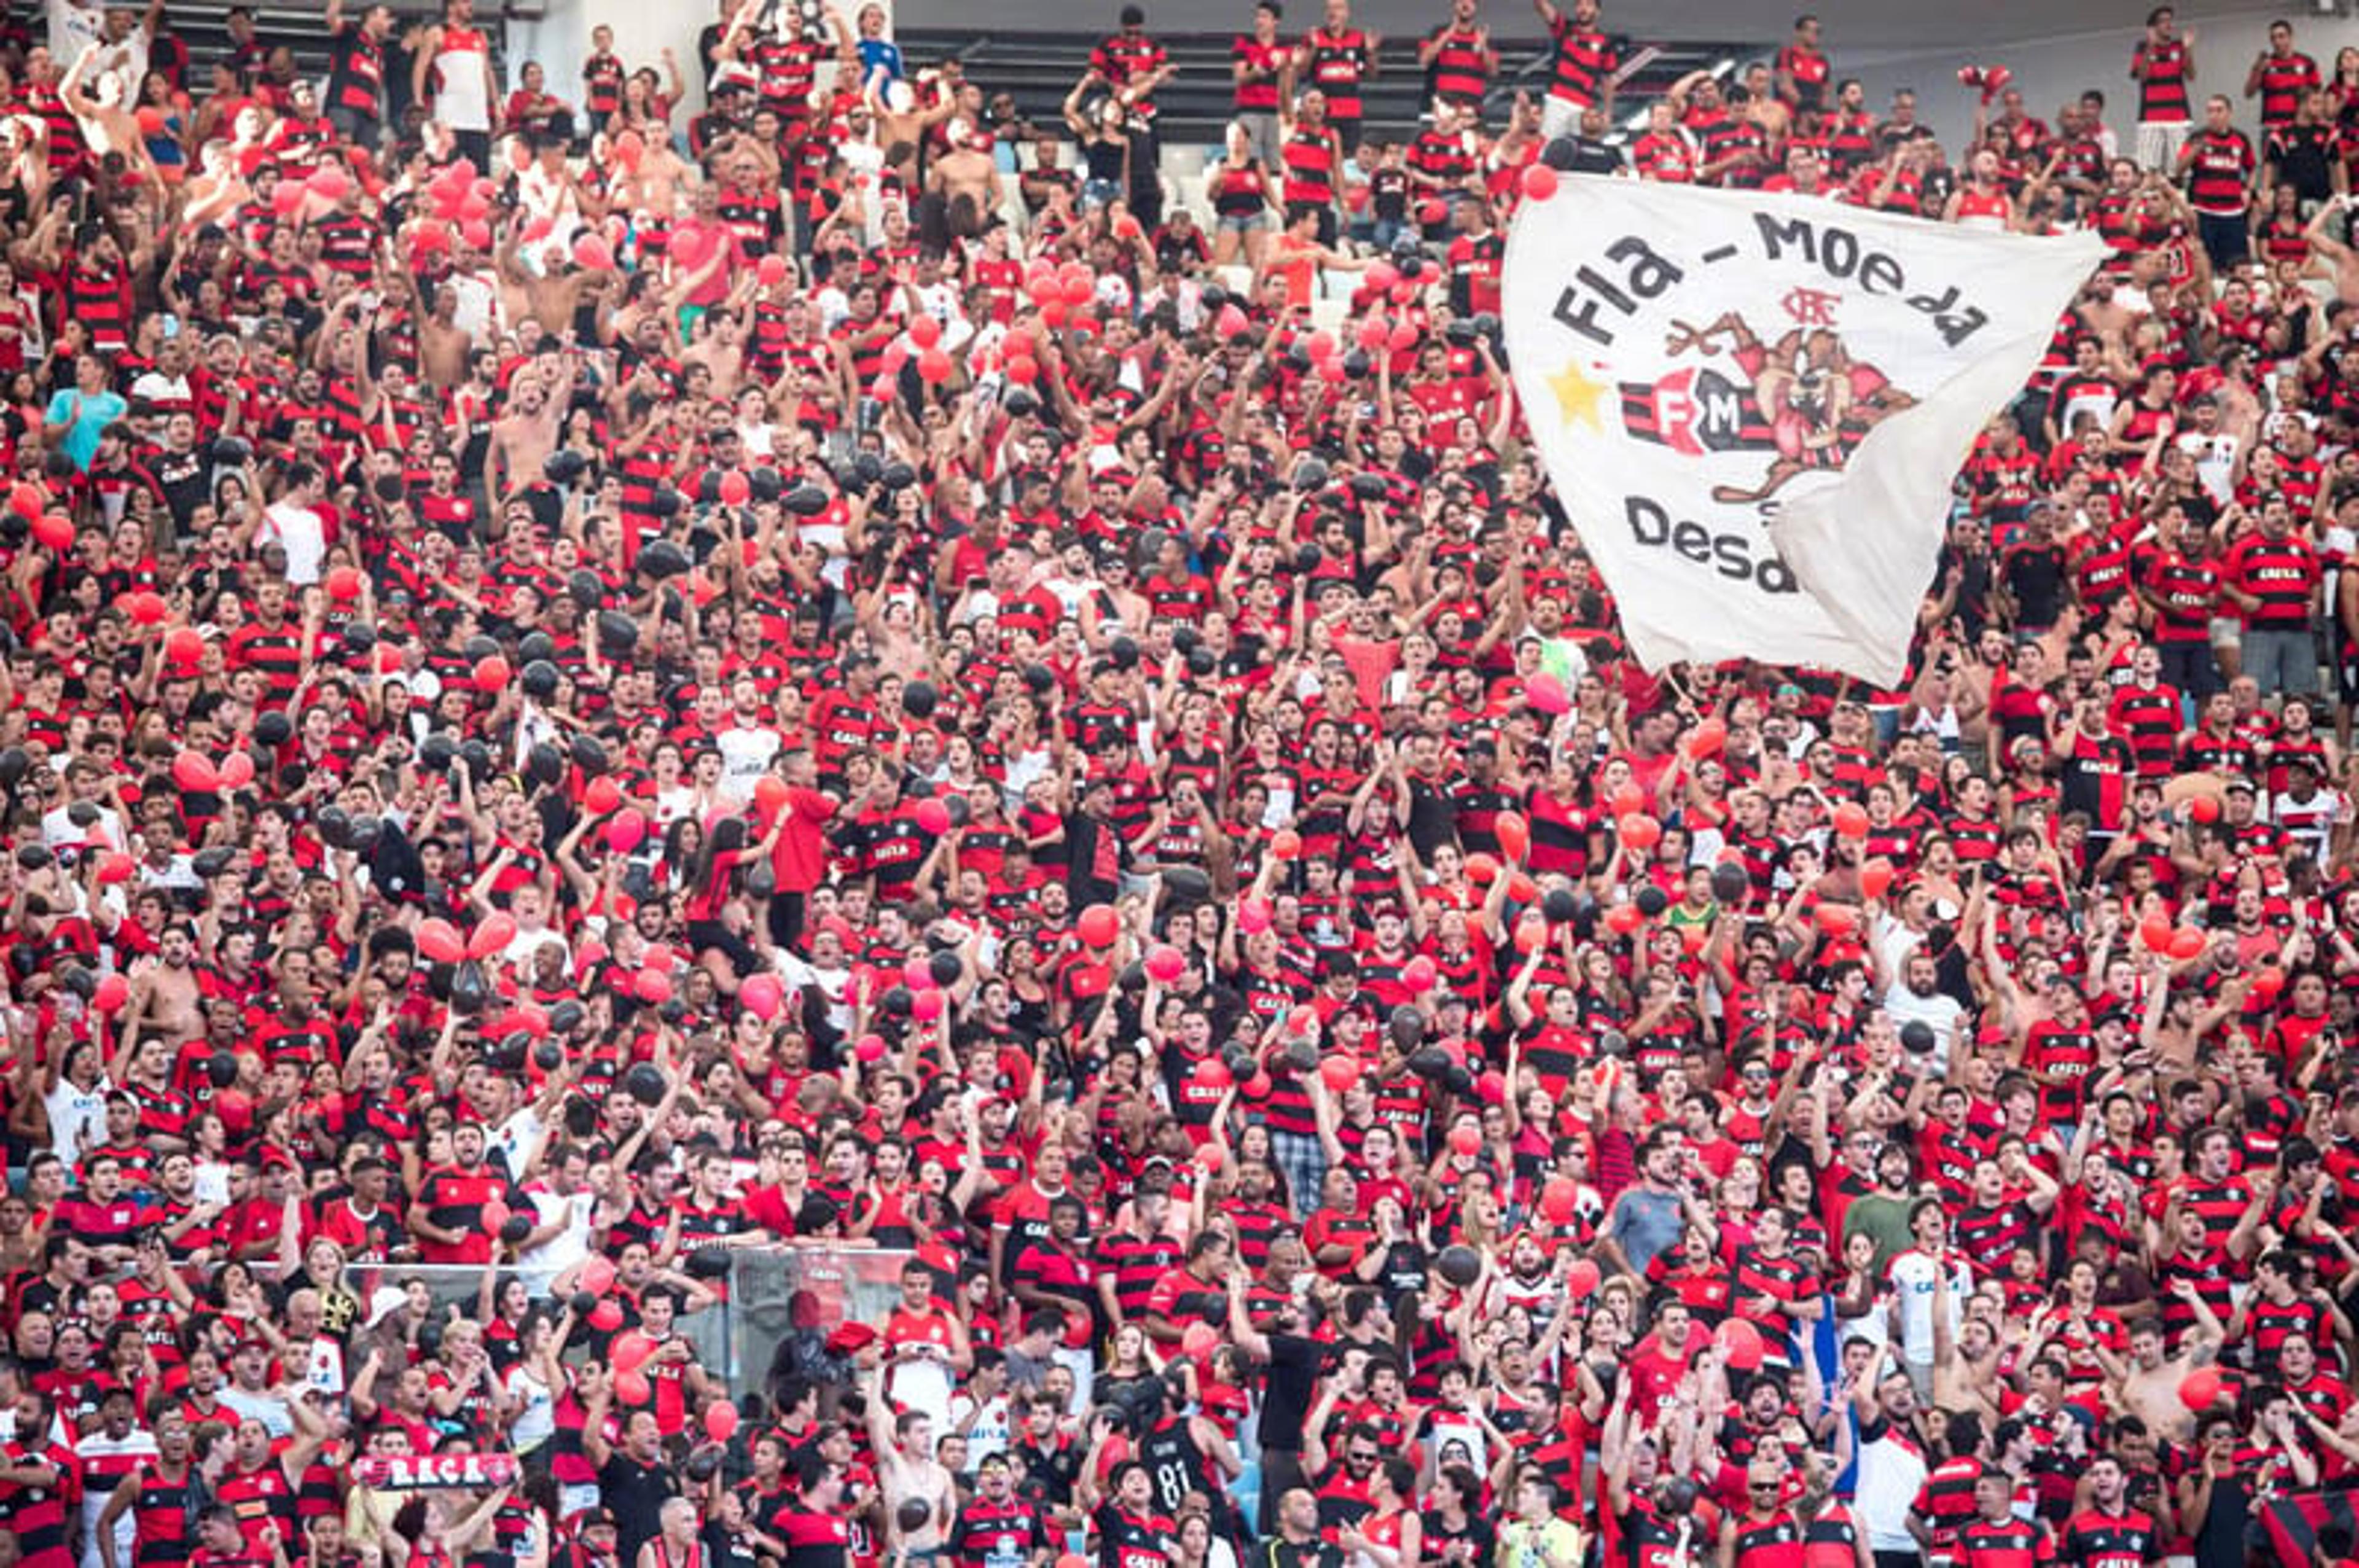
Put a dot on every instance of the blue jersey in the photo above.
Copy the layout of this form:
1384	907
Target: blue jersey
880	54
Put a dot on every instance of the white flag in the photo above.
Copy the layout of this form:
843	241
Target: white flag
1753	405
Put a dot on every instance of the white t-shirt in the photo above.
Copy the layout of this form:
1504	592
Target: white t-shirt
304	533
745	753
1910	1276
1891	1475
77	1118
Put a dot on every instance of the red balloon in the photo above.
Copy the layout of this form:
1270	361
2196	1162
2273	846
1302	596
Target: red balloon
1628	801
496	1214
763	996
532	1021
1418	975
1547	694
1640	832
1022	369
113	992
1707	740
1207	1156
491	673
145	607
926	1006
771	271
54	530
631	1348
1875	877
1466	1138
629	829
1539	182
1837	919
1165	965
2199	1389
1515	834
1199	1341
116	867
933	367
1851	820
1742	1341
721	1417
2156	932
632	1388
1405	333
440	941
2203	808
27	499
1580	1279
597	1276
1560	1200
2269	982
925	331
1625	918
1339	1072
2188	942
492	937
651	986
871	1048
1285	843
736	490
1481	868
608	1315
1254	916
592	254
1531	932
933	818
194	772
602	796
343	583
236	771
1079	288
1098	925
1304	1020
1211	1073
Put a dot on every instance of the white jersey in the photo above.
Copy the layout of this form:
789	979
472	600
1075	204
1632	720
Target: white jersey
463	98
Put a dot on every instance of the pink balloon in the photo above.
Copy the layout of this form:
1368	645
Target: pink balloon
762	995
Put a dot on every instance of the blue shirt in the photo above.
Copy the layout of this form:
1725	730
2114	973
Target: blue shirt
875	52
90	413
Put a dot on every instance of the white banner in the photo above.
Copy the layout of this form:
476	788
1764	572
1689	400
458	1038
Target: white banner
1752	406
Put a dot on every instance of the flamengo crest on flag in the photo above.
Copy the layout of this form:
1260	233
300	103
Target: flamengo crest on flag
1753	405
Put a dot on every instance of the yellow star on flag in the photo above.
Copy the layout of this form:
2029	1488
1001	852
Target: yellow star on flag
1576	395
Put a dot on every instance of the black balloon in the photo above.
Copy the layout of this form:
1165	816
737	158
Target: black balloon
1729	883
545	762
644	1083
589	753
1559	905
918	699
1917	1036
896	1002
946	968
222	1069
1652	900
471	988
1459	1264
565	1017
516	1227
358	637
808	499
549	1055
1429	1062
1406	1027
1186	885
539	680
661	558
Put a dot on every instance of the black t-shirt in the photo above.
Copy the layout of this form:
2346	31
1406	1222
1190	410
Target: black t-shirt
636	1493
1294	1364
1479	1536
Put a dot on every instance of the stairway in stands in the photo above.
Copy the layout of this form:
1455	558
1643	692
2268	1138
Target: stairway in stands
1039	69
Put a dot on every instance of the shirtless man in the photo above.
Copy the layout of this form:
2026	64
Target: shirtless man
164	997
966	182
442	345
551	299
522	440
2331	258
2147	1385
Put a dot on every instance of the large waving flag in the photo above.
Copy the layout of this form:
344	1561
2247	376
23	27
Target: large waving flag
1753	405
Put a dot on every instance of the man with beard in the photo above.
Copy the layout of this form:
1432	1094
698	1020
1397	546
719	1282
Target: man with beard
165	997
447	1216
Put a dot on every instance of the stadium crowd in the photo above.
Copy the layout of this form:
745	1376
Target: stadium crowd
589	687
